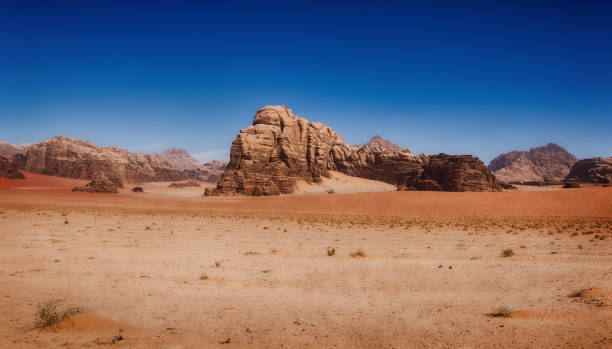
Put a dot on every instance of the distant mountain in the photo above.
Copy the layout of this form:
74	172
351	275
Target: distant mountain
378	141
180	159
192	168
9	150
547	164
593	170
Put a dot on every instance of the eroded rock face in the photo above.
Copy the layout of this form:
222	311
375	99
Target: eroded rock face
593	170
8	169
75	158
101	186
280	148
547	164
378	141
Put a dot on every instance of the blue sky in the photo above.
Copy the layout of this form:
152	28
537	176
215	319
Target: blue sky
464	77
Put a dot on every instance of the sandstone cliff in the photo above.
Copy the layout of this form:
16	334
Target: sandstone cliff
8	169
268	157
593	170
547	164
75	158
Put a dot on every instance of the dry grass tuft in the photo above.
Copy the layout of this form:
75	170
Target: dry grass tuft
358	253
579	293
508	252
47	314
502	311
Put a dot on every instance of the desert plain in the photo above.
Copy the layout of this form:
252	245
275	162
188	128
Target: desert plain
168	268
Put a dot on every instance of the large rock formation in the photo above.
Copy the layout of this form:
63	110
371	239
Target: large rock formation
75	158
378	141
593	170
8	169
192	168
547	164
280	148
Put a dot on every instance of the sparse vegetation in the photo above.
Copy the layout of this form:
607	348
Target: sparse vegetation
579	293
331	251
502	311
508	252
217	264
47	314
358	253
203	276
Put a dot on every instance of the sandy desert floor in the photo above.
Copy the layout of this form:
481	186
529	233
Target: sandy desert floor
164	270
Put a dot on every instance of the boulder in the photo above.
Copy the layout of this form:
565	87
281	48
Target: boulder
280	148
98	186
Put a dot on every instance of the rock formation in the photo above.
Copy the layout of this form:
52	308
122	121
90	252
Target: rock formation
593	170
75	158
378	141
280	148
541	165
181	160
8	169
98	186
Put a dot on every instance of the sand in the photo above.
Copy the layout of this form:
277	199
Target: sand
431	274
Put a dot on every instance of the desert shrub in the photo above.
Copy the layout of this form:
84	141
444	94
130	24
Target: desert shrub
47	314
508	252
358	253
217	264
502	311
203	276
331	251
579	293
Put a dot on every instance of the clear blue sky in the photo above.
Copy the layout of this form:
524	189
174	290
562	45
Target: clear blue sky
459	77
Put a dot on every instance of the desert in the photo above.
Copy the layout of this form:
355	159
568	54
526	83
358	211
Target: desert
158	269
305	174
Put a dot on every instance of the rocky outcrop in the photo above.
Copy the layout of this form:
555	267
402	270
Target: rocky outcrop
8	169
101	186
75	158
542	165
593	170
280	148
378	141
